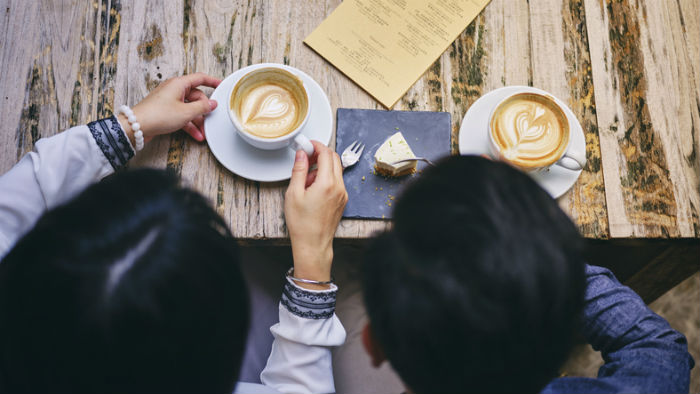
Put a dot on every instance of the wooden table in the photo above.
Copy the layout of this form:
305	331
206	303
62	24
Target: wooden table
630	70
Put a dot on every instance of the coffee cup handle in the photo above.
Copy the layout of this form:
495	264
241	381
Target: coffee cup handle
573	161
302	143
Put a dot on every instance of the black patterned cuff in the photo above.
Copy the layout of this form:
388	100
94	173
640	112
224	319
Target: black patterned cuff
309	304
112	141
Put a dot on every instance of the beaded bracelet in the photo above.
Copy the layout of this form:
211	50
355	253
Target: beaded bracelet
135	126
290	272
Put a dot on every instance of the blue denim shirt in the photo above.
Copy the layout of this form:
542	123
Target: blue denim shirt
642	353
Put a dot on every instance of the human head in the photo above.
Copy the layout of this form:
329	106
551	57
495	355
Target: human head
479	284
133	286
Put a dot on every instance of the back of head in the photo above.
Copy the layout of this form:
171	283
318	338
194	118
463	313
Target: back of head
479	285
133	286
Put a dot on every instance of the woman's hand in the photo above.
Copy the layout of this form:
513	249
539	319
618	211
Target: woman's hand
313	205
175	104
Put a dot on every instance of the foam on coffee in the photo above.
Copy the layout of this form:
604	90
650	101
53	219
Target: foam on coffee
269	103
530	130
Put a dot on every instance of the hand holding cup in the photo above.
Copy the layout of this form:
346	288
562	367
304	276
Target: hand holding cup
175	104
313	206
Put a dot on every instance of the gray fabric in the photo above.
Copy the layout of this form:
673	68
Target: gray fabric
642	353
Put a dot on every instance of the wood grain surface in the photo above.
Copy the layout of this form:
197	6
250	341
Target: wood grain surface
630	71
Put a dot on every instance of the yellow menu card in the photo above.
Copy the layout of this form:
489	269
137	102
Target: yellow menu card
386	45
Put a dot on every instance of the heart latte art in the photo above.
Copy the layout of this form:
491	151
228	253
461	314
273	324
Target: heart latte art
269	103
530	130
269	111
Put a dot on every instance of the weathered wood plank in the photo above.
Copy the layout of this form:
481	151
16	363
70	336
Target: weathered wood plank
689	15
107	43
86	87
149	51
608	114
586	199
672	92
467	67
220	38
283	43
62	77
20	29
646	196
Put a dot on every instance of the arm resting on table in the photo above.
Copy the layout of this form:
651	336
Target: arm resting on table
642	353
300	361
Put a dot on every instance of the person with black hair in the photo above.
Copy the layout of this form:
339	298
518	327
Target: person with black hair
133	284
480	286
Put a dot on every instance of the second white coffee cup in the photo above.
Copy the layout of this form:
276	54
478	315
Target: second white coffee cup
278	103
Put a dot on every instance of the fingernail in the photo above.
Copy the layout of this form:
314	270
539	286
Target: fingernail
299	156
212	104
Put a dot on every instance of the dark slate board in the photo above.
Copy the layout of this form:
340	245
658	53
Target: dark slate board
428	134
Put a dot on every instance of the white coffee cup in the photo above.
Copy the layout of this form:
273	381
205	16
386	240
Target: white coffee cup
561	152
292	83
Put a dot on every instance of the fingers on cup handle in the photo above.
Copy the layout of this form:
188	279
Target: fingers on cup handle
191	129
201	79
310	178
194	94
201	106
337	167
325	161
340	183
318	147
300	171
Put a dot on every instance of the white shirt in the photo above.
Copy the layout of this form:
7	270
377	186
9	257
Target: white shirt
62	166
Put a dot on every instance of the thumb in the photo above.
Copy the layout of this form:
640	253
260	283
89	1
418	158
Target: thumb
299	171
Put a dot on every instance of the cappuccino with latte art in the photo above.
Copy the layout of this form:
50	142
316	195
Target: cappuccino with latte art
529	131
269	103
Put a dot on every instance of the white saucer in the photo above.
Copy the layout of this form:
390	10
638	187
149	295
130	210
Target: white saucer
256	164
474	139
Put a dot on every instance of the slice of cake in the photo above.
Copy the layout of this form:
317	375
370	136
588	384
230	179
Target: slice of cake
394	149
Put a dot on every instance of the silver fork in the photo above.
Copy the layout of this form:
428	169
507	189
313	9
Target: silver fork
415	159
351	154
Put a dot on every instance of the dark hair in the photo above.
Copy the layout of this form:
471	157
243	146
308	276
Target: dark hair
479	284
133	286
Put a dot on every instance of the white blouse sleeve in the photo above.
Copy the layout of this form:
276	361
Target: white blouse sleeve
300	361
56	170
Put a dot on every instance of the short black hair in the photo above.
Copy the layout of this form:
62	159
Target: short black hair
479	285
133	286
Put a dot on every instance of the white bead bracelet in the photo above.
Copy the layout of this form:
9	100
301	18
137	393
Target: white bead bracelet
135	126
